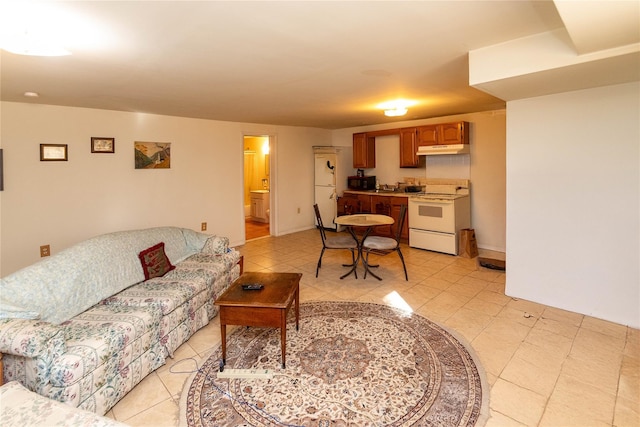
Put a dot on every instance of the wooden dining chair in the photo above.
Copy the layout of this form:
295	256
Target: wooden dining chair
334	242
379	245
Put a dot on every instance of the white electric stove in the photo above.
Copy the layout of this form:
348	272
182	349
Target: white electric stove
437	215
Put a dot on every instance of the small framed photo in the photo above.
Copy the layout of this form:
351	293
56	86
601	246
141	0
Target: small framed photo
53	153
103	145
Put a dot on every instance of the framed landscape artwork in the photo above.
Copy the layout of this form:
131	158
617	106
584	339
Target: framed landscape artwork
152	155
103	145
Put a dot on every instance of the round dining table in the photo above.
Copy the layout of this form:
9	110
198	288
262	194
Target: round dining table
368	221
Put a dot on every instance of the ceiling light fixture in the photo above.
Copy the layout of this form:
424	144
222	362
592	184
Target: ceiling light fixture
38	28
395	112
31	44
31	94
396	108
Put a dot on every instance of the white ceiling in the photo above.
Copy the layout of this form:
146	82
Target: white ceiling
320	64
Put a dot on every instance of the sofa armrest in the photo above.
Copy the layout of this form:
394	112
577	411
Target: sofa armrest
31	338
216	245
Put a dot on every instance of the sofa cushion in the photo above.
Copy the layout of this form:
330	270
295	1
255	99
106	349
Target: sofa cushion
167	292
155	262
90	348
105	335
30	338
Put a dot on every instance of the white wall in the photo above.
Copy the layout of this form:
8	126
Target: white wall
62	203
573	222
485	167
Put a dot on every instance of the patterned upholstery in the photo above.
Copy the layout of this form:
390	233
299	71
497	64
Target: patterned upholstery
94	358
21	407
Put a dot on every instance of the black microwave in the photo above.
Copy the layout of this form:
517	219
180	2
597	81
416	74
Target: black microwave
361	182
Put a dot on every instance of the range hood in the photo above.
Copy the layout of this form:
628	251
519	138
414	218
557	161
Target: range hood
436	150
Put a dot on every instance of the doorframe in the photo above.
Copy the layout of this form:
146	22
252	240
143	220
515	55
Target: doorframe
273	224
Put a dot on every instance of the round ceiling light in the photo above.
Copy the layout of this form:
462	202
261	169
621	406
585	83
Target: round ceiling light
396	107
395	112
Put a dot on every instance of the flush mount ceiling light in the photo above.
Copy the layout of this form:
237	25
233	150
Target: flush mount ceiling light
39	28
31	44
395	112
396	108
31	94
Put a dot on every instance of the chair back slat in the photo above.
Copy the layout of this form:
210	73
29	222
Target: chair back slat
403	214
320	225
382	240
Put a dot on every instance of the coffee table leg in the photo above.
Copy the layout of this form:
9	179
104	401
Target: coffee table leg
283	336
223	334
297	308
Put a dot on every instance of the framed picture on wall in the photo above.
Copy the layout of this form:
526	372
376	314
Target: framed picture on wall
103	145
152	155
53	152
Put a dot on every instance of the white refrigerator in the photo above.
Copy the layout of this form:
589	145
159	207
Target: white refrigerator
332	167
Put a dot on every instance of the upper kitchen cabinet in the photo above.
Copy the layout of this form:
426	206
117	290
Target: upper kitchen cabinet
364	151
428	135
409	148
444	134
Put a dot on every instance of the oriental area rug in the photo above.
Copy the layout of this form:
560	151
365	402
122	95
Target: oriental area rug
349	364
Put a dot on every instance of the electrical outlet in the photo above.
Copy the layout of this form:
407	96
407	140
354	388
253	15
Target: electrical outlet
203	226
45	250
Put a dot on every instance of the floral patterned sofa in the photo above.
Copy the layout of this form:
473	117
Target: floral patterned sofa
86	325
20	407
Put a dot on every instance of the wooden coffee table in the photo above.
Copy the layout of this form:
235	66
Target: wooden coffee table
267	307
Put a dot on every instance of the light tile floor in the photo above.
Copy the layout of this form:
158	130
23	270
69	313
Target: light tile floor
544	366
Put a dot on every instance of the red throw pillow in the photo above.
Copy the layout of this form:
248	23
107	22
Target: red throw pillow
155	262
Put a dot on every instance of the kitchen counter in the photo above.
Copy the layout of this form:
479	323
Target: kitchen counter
379	193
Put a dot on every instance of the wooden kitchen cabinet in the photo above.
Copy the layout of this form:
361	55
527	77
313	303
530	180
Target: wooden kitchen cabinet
428	135
409	148
352	203
364	151
365	203
390	205
396	203
348	204
454	133
357	202
444	134
381	205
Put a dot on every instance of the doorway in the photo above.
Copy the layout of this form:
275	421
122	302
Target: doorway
257	186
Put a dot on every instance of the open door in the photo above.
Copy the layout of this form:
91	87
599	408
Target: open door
257	186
